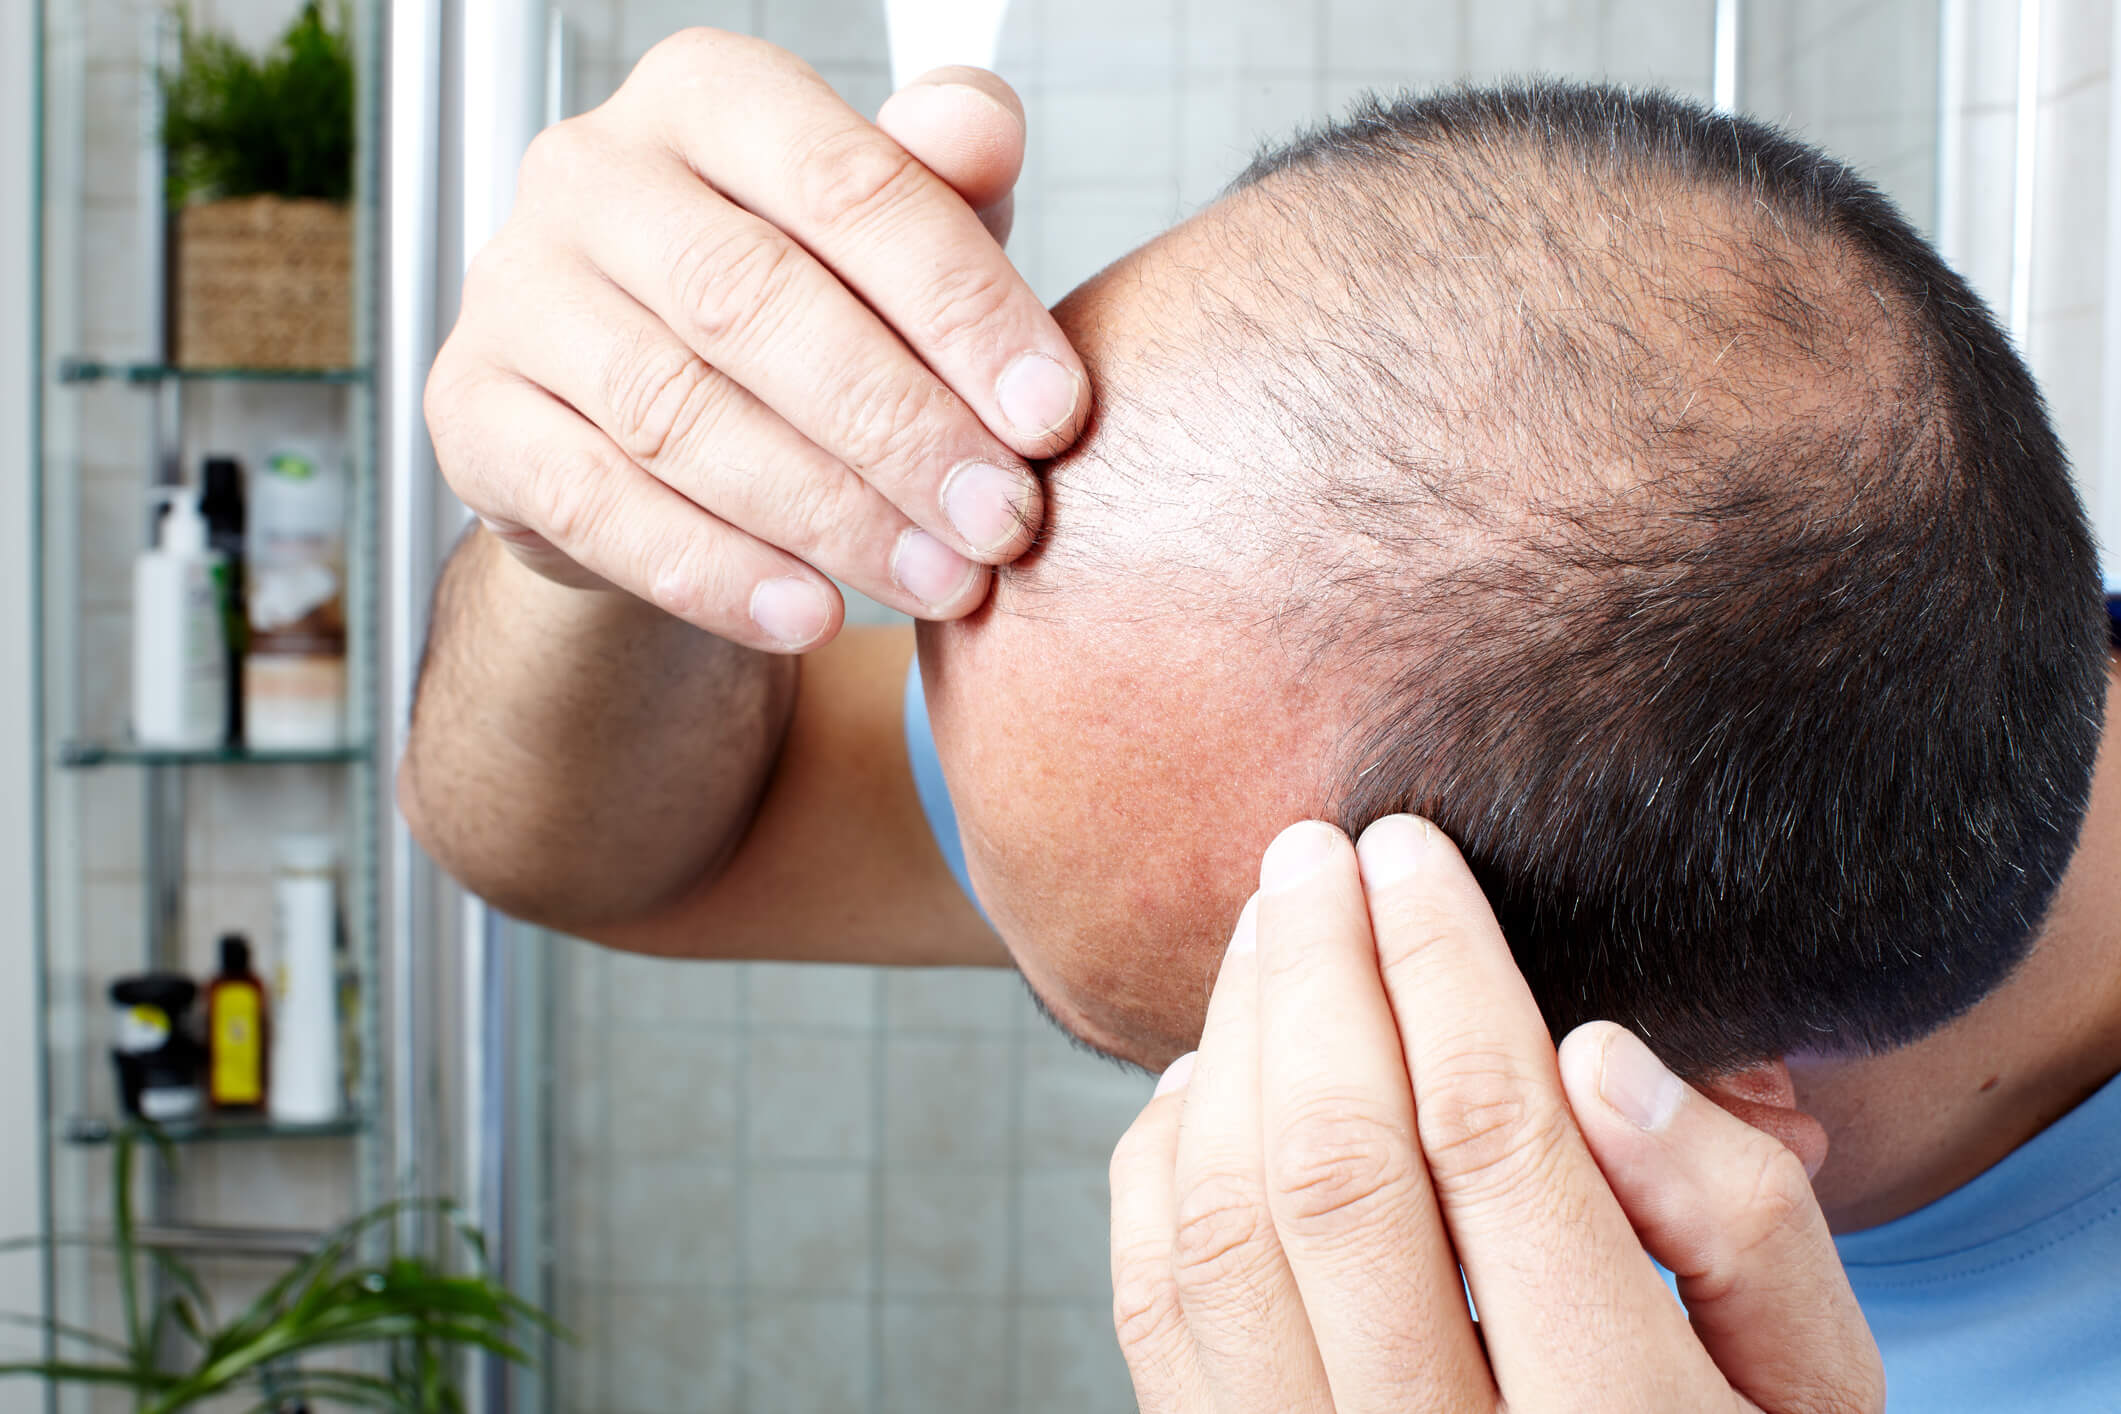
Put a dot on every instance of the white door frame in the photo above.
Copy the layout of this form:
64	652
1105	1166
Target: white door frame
21	1060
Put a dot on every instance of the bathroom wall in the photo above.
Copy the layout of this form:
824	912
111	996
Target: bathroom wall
827	1188
2071	342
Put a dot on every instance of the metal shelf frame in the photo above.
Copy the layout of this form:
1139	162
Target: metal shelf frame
131	382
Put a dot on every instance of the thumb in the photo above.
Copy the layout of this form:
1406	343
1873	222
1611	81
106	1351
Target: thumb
967	127
1731	1213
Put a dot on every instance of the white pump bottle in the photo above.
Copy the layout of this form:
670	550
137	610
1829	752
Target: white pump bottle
180	634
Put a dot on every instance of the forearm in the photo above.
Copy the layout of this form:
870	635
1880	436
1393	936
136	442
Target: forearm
580	757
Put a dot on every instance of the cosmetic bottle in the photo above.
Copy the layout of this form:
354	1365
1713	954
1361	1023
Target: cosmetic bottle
349	1001
151	1045
235	1031
221	502
294	672
180	641
307	1087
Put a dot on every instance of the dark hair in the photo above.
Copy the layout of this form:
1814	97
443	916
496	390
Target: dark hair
1716	575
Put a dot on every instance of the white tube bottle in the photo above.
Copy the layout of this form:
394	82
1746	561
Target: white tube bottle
180	636
305	1085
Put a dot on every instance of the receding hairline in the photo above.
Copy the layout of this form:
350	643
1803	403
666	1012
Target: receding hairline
1866	527
1212	343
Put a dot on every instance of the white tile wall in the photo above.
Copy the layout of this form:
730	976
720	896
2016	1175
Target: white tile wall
945	1355
808	1229
809	1354
947	1098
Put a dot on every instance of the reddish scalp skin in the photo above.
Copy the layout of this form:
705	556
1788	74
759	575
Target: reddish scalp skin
1115	788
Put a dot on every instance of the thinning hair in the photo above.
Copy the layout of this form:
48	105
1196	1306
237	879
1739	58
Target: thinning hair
1702	547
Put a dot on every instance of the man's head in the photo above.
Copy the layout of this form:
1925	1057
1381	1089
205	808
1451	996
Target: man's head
1626	488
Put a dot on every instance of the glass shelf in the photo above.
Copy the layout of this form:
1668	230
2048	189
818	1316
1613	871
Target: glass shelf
101	1129
82	754
89	370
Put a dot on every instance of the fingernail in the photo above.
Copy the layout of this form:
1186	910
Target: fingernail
1634	1082
1245	937
928	569
1176	1077
986	505
1392	848
1296	854
1037	395
792	612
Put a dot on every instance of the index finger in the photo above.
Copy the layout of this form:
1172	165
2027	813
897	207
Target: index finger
1569	1305
774	138
1345	1179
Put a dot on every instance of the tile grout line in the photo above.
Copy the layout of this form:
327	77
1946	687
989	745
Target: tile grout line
1321	71
879	1097
740	1192
606	1220
1013	1214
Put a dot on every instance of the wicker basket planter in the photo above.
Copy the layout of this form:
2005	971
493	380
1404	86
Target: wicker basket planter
264	282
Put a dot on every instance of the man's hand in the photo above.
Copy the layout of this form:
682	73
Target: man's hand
1374	1106
734	338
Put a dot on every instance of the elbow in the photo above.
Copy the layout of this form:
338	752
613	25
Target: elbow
468	842
525	866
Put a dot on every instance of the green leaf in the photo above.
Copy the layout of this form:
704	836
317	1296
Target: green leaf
281	123
414	1306
338	1387
136	1334
79	1373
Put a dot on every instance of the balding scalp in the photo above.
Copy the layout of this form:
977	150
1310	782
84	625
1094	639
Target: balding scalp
1711	567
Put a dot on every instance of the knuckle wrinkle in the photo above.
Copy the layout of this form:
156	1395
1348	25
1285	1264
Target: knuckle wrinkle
728	285
964	301
1221	1231
854	176
569	503
656	398
1334	1169
1483	1128
883	421
1778	1199
1145	1305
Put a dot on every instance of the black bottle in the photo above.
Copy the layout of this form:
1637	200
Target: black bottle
221	503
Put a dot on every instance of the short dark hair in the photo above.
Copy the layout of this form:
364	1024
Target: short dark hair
1725	596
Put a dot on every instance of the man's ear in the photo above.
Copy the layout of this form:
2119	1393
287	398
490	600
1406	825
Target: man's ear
1764	1096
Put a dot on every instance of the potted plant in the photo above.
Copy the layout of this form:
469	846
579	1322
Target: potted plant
260	152
175	1354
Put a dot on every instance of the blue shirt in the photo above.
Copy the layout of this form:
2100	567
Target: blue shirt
2005	1295
928	780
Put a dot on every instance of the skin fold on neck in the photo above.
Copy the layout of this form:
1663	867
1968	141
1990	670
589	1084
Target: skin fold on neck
1908	1127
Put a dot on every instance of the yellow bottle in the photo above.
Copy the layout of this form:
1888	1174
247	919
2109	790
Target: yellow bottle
235	1032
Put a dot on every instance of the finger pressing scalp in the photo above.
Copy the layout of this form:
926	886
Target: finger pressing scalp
1346	1182
1517	1189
